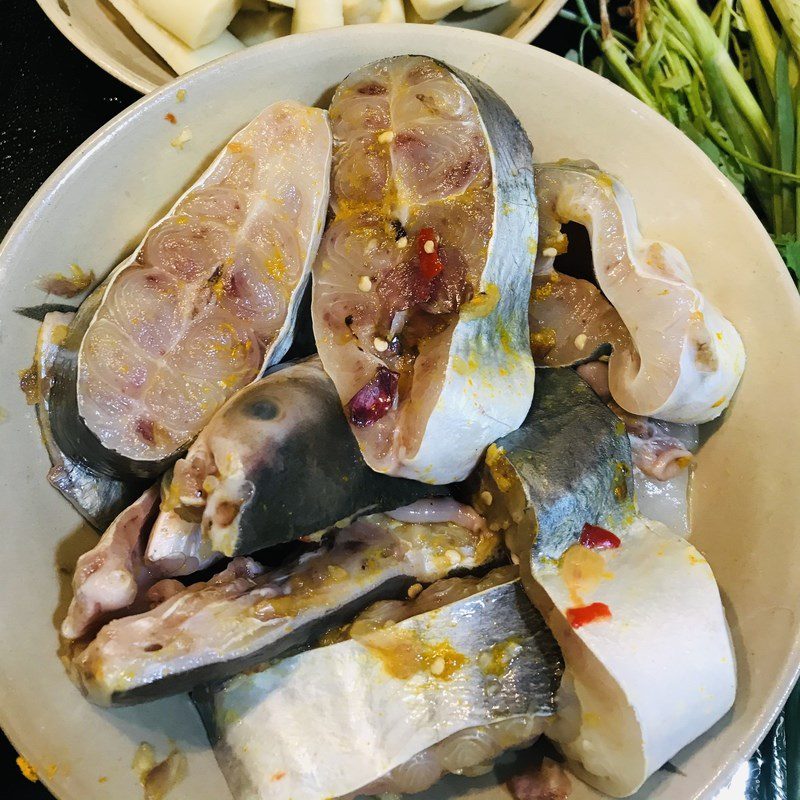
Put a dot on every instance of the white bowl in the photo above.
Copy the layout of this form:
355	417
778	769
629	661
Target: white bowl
102	34
99	202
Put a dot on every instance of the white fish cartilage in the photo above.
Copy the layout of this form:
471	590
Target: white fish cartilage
685	359
646	681
177	546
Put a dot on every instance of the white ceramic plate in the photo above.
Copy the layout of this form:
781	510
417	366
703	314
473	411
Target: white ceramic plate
102	34
99	202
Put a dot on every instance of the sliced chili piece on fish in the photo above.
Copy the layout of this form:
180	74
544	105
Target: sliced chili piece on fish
430	265
374	399
596	538
584	615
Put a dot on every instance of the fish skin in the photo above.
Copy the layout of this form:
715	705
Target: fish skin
567	459
431	709
509	265
98	498
302	468
38	313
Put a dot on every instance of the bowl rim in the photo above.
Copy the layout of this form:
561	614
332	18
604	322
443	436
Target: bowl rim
788	675
92	51
542	13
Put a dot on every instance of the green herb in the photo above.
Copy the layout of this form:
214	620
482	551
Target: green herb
727	76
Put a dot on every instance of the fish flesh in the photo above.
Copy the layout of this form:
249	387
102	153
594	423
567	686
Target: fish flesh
113	578
277	462
420	287
634	608
460	675
247	615
204	304
571	322
676	358
97	498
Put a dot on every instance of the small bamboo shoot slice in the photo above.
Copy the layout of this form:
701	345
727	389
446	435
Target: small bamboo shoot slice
435	9
195	22
357	12
315	15
480	5
180	57
255	27
392	11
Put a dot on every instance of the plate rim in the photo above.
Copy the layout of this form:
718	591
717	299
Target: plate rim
785	679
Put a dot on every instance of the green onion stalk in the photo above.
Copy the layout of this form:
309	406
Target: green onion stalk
727	76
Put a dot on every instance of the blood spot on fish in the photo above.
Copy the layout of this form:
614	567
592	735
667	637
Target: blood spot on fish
399	230
548	781
372	89
373	401
408	139
263	409
459	173
225	513
146	430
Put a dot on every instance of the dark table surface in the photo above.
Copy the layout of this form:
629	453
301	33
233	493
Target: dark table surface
51	99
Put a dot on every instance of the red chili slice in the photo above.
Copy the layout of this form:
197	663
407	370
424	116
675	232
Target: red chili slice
596	538
430	265
583	615
374	399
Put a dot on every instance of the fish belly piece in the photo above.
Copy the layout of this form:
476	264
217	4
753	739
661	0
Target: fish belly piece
657	673
246	615
203	305
674	355
634	608
334	720
277	462
420	287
